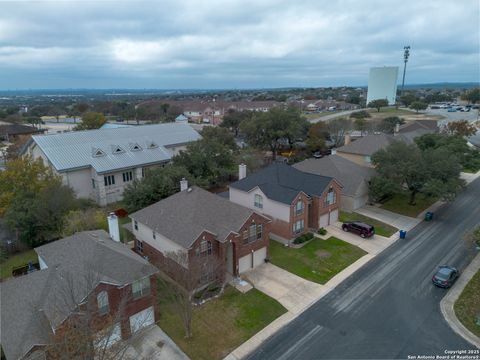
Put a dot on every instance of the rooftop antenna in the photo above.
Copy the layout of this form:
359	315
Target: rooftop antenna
406	55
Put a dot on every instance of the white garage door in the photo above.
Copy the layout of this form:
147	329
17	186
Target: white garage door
108	337
142	319
324	220
259	256
245	263
334	216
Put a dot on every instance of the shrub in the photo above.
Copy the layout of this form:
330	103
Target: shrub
303	238
322	231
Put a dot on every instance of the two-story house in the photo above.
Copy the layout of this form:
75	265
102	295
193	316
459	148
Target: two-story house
296	201
217	239
99	164
87	283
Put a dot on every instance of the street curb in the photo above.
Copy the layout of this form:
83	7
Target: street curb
448	301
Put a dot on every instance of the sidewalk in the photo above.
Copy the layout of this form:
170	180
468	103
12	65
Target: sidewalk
401	222
468	177
447	303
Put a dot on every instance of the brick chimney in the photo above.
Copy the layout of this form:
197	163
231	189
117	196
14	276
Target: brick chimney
183	184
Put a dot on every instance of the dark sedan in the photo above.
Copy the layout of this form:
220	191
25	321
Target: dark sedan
445	276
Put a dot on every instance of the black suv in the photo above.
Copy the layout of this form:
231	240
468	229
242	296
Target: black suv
362	229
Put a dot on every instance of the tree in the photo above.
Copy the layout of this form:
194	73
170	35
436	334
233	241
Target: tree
158	184
360	125
91	120
233	119
337	128
408	99
460	128
418	105
434	172
378	104
388	124
266	130
164	108
472	96
362	114
316	136
82	220
212	135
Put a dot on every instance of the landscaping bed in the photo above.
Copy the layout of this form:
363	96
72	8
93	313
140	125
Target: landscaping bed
222	324
317	261
399	204
381	228
467	307
15	261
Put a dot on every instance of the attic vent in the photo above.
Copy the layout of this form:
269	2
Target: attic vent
152	145
117	149
98	153
135	147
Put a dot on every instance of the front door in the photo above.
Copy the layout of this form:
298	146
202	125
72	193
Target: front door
230	263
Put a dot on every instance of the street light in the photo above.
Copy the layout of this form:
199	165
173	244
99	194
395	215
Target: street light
406	54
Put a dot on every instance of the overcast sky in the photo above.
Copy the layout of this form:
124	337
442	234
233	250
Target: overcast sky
233	44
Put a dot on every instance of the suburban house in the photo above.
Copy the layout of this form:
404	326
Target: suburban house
99	164
201	233
296	201
87	279
13	132
353	177
412	129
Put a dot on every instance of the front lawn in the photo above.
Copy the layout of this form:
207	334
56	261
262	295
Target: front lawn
399	204
318	261
16	260
381	228
221	325
467	307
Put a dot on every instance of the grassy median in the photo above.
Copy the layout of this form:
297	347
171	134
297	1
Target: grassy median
381	228
467	306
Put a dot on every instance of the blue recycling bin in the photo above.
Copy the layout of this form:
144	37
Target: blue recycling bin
403	234
428	216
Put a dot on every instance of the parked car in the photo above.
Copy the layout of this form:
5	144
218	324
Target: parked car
452	109
360	228
445	276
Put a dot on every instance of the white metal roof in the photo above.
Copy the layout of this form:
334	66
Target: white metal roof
111	149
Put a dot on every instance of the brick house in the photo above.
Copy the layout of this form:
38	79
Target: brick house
217	239
296	201
86	279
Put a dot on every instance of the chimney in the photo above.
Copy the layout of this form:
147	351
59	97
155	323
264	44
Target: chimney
334	151
242	171
183	184
348	139
113	227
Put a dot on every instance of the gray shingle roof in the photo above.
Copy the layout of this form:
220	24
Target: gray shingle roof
35	303
281	182
76	149
347	173
183	216
367	145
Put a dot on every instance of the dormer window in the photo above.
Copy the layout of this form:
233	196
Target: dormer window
135	147
152	145
117	149
98	153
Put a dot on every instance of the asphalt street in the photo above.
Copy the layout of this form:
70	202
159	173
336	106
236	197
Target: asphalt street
389	309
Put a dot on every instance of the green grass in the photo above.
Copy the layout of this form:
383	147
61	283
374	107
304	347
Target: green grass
221	325
381	228
467	307
16	260
318	261
399	204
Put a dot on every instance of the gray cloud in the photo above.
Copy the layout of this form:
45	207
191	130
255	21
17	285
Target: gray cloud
233	43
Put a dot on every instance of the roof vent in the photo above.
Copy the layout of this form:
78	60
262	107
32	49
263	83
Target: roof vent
96	152
135	147
151	145
117	149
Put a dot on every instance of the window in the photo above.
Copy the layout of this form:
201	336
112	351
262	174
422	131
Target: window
153	235
141	288
207	276
331	198
139	246
127	176
118	150
135	224
298	226
252	236
93	183
299	207
205	248
245	237
109	180
102	302
258	202
259	231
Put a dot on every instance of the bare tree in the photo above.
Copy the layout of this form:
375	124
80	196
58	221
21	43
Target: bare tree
337	129
185	277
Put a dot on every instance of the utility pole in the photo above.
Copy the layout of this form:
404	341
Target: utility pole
406	54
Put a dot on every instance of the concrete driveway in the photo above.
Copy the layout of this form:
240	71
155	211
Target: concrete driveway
153	344
401	222
292	291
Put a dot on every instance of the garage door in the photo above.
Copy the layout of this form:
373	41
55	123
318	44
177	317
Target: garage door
334	216
142	319
245	263
108	337
259	256
324	220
